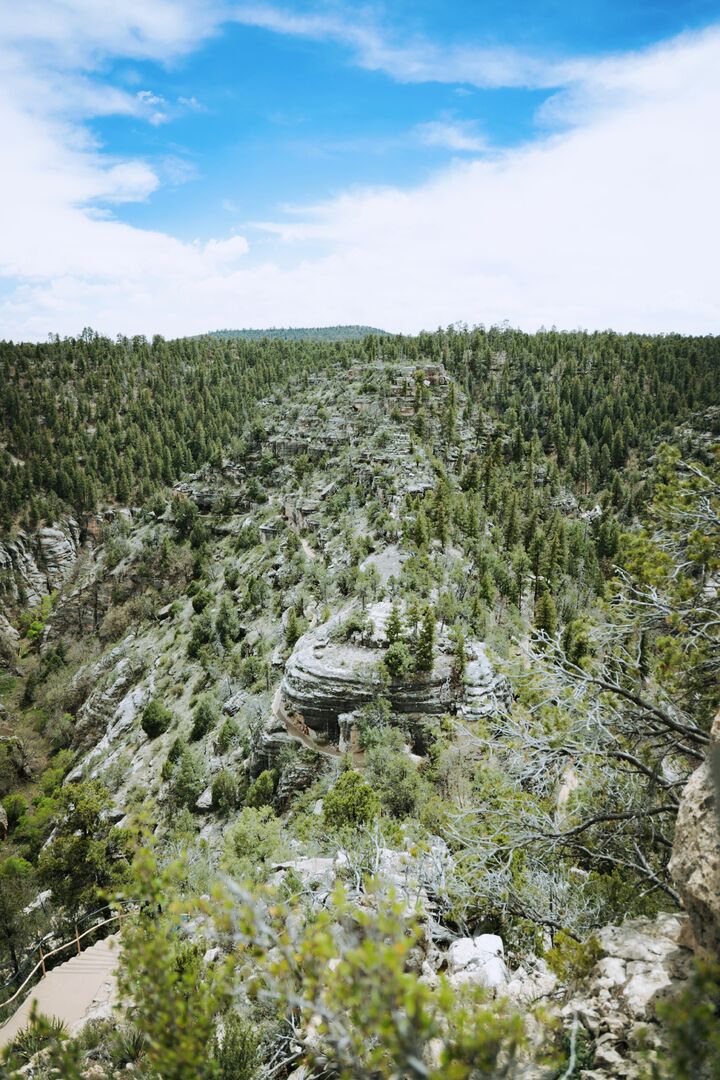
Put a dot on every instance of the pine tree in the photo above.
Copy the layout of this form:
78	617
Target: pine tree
394	628
425	647
546	616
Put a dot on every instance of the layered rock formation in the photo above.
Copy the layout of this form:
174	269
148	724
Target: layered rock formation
327	680
35	564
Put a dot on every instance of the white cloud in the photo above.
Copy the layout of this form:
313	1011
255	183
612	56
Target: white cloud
456	135
612	223
416	60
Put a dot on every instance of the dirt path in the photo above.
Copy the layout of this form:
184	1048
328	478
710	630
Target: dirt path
69	991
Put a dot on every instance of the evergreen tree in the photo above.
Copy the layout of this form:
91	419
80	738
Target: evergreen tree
425	646
394	629
546	616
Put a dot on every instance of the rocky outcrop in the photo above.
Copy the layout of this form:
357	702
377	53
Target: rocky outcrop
695	862
34	564
112	706
324	679
644	962
328	679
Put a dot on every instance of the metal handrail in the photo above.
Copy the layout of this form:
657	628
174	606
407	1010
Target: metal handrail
38	945
60	948
49	935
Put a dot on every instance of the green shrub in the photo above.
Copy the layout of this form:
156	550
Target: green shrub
394	776
205	717
200	600
237	1056
227	735
155	719
397	660
188	780
224	792
571	960
350	802
262	791
127	1046
53	776
253	842
39	1034
15	807
60	733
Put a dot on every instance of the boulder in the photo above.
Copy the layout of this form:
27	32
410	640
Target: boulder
204	801
478	961
695	861
531	982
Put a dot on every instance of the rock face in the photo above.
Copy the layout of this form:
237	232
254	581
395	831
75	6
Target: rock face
695	862
33	565
323	680
644	963
326	680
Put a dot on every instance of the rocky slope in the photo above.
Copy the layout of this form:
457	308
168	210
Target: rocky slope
312	525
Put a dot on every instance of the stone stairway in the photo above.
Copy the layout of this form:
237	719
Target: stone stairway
70	991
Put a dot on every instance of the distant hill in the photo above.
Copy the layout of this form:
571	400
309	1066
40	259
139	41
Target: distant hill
302	333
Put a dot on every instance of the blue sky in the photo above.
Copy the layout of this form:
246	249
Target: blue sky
182	165
286	119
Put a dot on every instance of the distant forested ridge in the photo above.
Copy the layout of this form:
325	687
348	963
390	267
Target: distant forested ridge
88	420
301	333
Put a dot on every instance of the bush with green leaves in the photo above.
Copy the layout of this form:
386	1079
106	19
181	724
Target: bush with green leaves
227	736
572	960
350	802
87	855
394	776
60	732
237	1054
397	660
38	1035
205	717
224	792
15	807
262	790
155	719
254	841
188	780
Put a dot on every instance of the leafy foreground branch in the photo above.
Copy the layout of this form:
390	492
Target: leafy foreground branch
336	991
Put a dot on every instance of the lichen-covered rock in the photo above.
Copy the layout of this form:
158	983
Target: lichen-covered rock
695	862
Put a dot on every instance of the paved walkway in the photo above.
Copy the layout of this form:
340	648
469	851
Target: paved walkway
70	990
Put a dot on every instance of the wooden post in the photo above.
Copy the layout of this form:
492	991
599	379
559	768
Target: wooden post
77	938
42	959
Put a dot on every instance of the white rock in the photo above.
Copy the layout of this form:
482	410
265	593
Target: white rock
204	801
479	961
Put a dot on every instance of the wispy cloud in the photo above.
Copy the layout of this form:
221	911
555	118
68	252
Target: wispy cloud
417	59
461	136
